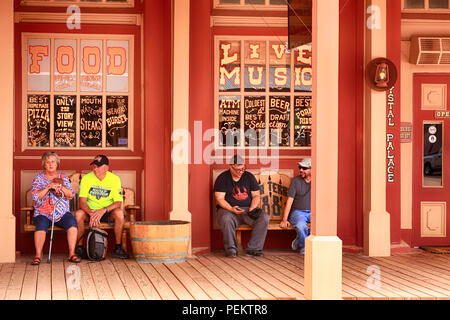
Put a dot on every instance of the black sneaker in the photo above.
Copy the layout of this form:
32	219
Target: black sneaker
81	252
253	253
120	253
231	254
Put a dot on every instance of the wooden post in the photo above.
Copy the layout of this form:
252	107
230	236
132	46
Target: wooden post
377	234
323	249
180	100
7	219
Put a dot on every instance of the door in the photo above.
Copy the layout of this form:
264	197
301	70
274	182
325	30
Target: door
431	155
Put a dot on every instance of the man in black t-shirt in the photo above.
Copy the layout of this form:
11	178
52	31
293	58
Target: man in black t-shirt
237	192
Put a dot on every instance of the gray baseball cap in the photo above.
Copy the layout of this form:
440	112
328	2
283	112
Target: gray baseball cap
237	159
305	162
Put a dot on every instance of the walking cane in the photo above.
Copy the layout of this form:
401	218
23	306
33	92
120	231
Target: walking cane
49	260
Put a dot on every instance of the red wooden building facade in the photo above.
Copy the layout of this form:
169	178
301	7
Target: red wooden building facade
101	78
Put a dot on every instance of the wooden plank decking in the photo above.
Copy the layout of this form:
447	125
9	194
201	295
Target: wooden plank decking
278	275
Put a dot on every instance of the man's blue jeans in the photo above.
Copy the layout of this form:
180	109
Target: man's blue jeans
299	220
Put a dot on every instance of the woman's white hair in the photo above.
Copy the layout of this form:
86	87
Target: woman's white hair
47	155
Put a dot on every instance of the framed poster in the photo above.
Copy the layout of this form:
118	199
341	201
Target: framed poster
65	108
91	123
255	121
38	120
230	120
302	121
279	119
117	121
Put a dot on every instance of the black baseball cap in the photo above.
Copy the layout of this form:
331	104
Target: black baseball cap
100	160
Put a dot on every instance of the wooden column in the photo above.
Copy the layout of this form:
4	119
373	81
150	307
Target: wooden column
7	219
157	116
377	233
180	100
323	249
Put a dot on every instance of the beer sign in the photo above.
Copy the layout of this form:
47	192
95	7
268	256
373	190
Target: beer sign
255	121
279	119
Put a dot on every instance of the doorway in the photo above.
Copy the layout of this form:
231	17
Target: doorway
431	153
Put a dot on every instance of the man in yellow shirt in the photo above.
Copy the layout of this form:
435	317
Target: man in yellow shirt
100	200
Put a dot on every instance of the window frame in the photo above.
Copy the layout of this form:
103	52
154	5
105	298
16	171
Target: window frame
25	36
243	6
430	122
242	93
425	9
56	3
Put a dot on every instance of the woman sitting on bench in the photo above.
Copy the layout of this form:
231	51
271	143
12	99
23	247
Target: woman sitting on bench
51	192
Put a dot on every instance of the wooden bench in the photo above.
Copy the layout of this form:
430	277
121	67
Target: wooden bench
75	179
274	188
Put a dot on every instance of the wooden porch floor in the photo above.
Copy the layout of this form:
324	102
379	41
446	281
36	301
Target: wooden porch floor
278	275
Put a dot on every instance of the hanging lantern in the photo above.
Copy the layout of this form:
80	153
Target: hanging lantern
381	74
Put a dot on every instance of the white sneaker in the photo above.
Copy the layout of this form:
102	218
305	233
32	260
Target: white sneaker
294	244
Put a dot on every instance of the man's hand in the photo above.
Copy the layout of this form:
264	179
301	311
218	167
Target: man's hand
237	210
284	224
96	215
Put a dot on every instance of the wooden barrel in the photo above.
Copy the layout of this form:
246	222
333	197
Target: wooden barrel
160	241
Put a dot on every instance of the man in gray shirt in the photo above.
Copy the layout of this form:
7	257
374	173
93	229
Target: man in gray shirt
297	210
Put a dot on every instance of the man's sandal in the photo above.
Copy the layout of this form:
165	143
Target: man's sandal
36	261
75	258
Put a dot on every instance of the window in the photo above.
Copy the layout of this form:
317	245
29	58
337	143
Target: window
432	154
81	3
77	91
263	93
251	4
431	5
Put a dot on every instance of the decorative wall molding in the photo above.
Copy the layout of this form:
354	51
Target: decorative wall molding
434	96
62	3
86	18
245	21
424	27
433	219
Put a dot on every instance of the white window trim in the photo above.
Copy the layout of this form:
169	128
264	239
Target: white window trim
250	22
85	18
242	94
54	3
425	9
78	92
242	6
